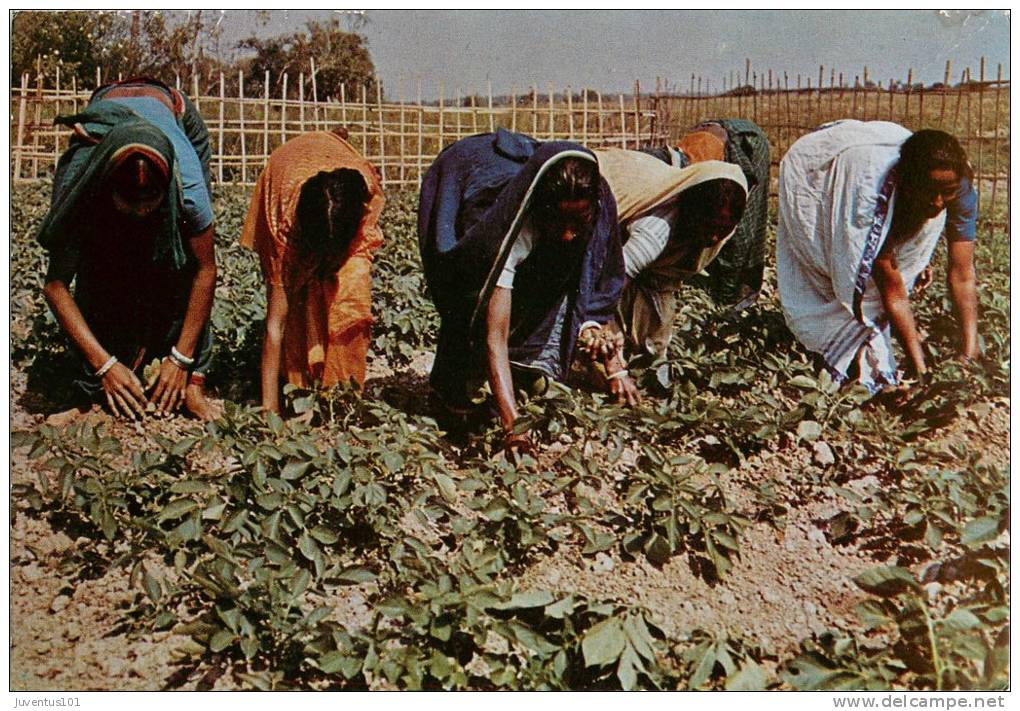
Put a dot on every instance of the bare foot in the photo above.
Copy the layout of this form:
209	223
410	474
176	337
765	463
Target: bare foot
199	405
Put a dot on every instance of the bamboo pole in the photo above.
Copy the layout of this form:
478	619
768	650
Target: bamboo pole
602	135
38	116
832	93
969	107
853	97
283	111
194	91
623	124
552	110
20	143
513	107
315	95
492	118
637	114
74	92
980	125
570	113
785	136
364	119
474	111
584	115
818	107
219	168
382	130
343	104
864	95
920	106
265	115
99	77
56	138
906	99
534	110
301	102
459	103
240	111
891	84
400	91
945	92
995	142
421	135
442	99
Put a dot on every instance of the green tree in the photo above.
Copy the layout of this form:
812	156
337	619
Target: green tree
76	41
341	57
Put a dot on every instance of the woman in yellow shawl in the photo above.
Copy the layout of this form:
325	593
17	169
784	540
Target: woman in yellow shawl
313	221
675	222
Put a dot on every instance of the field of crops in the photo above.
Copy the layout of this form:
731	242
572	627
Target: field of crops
750	526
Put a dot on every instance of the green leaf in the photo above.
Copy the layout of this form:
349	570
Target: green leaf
357	575
177	508
657	549
803	382
809	430
392	607
331	662
979	531
524	600
307	546
152	586
603	644
295	470
532	640
750	677
221	640
886	581
809	672
446	487
961	619
625	670
324	535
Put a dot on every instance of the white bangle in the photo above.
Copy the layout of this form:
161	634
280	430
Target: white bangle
105	367
621	373
588	324
181	359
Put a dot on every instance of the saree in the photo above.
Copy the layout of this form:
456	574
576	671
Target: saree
641	183
475	198
837	194
329	319
132	294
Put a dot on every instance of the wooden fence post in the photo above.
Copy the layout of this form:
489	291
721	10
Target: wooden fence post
265	118
421	135
315	95
38	116
492	119
584	115
513	107
945	92
20	143
364	119
56	137
623	124
400	92
382	129
534	110
995	142
219	170
240	115
980	125
442	99
283	111
301	102
570	113
552	116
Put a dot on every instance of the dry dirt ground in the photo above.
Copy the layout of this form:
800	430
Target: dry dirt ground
790	580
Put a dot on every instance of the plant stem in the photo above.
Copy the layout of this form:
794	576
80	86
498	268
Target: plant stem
935	657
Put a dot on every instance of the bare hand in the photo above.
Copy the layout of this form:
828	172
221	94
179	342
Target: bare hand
600	343
169	390
124	392
519	444
923	280
625	390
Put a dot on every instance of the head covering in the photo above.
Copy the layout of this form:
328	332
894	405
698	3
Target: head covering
107	133
474	201
329	319
700	146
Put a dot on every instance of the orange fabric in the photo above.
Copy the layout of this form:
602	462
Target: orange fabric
329	321
701	146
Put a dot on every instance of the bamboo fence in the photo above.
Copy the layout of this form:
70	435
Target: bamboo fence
402	133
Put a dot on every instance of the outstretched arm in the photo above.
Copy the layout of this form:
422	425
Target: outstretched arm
172	378
896	302
272	347
124	392
963	294
497	350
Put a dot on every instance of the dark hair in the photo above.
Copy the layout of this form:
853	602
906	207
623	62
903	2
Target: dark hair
329	210
707	198
929	150
569	179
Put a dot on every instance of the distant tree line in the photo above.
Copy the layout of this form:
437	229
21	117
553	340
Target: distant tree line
168	44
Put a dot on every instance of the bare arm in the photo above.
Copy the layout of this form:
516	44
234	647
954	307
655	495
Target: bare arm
124	393
169	390
497	334
963	294
272	347
897	306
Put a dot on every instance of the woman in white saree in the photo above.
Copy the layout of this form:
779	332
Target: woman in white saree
861	208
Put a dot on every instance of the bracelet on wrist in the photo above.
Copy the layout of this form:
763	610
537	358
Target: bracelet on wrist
105	367
621	373
181	361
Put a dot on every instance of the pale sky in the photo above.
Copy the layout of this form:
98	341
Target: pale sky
608	50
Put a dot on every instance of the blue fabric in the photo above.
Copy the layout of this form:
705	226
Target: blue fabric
469	199
198	214
962	213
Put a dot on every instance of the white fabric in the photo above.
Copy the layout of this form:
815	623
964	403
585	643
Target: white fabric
649	234
832	222
518	253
